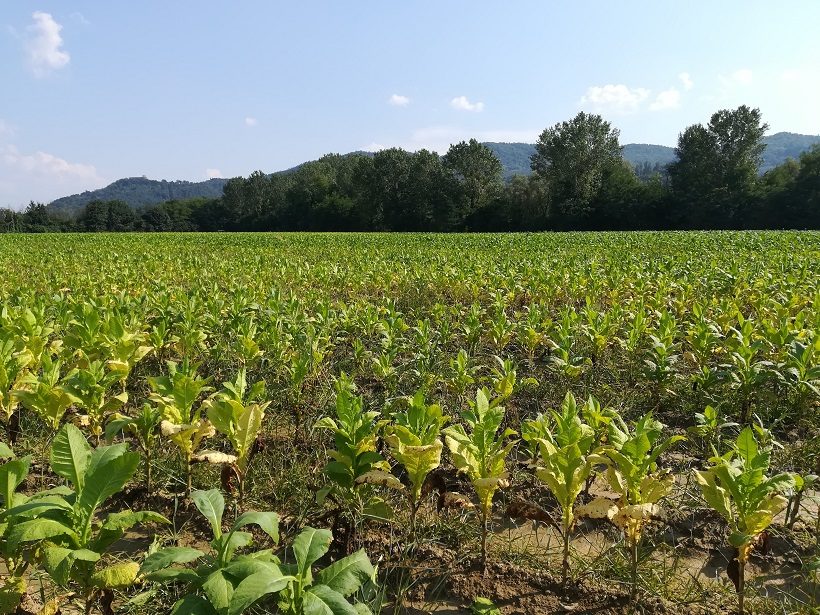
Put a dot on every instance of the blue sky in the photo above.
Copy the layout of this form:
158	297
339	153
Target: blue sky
93	91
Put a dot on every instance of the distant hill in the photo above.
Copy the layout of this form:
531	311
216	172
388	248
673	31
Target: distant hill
514	157
141	191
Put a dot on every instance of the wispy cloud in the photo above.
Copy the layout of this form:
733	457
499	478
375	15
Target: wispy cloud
44	45
397	100
213	173
743	76
616	98
668	99
462	103
6	129
250	122
686	80
42	176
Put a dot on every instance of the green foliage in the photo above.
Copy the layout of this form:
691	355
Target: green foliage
564	459
481	453
62	522
223	583
356	467
415	442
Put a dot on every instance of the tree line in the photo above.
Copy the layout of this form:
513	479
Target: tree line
579	181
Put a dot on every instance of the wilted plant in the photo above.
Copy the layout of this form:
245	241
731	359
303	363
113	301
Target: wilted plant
735	485
414	441
482	454
235	412
564	461
633	474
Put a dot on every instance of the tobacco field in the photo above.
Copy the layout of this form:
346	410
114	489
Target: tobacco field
340	424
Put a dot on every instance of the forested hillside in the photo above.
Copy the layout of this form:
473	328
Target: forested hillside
514	157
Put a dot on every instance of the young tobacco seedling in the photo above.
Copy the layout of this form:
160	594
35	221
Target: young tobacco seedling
62	521
15	584
235	413
356	466
223	583
175	395
144	427
481	454
326	591
564	461
633	474
735	485
415	442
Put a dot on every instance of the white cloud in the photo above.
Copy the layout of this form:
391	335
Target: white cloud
44	44
397	100
41	176
251	122
440	138
213	173
461	103
743	76
686	80
617	98
668	99
80	18
6	129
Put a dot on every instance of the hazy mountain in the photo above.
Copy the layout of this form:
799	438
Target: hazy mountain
514	157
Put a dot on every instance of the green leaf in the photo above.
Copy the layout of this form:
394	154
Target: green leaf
108	477
173	575
116	524
70	454
254	587
348	574
193	605
268	521
38	529
219	591
58	561
309	546
170	555
12	474
212	505
747	445
321	600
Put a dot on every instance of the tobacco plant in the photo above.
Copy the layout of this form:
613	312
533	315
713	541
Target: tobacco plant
176	395
481	454
565	458
236	413
634	475
13	472
327	591
72	544
415	442
222	583
356	466
144	428
735	485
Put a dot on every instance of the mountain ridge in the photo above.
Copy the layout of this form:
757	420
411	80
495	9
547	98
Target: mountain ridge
514	157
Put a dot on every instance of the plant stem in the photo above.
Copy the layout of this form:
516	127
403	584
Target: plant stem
484	530
741	584
633	556
565	563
